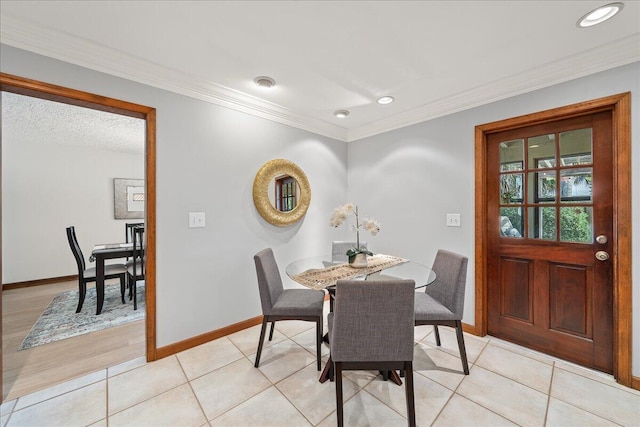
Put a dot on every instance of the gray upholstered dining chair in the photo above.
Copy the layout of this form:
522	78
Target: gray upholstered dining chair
285	304
339	250
86	275
442	302
372	327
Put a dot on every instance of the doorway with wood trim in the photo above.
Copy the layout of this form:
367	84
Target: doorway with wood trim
22	86
553	238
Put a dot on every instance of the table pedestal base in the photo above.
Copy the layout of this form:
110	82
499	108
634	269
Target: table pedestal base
327	374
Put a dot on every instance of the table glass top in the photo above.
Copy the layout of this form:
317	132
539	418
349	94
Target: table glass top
419	273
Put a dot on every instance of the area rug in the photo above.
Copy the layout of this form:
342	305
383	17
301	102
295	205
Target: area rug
60	320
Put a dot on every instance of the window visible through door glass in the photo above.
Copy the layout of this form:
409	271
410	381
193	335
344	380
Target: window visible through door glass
511	188
541	151
546	190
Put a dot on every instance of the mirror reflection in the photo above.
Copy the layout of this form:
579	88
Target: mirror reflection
284	193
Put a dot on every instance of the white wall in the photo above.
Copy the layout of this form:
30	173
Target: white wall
409	179
207	158
47	187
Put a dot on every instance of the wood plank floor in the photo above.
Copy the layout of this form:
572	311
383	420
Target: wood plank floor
42	366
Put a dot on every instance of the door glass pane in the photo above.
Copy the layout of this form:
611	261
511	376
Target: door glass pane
575	147
511	222
511	188
576	224
542	223
541	151
511	155
542	187
575	184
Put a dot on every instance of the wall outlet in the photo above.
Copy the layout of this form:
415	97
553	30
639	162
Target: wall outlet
196	219
453	220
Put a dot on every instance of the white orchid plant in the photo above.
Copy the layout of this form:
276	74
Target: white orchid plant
340	215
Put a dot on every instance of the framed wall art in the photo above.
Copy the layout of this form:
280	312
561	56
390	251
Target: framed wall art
129	198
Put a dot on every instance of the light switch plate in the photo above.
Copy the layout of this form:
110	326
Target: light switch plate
196	219
453	220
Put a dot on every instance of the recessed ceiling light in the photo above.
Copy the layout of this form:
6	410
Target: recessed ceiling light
600	14
341	114
385	100
264	81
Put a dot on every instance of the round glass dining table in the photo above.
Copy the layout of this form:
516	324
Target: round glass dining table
419	273
316	273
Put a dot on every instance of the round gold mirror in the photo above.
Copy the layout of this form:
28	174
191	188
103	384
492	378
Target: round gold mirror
281	192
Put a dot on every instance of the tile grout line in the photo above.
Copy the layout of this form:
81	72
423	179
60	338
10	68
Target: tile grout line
251	397
615	385
453	392
57	395
546	412
470	399
291	403
555	360
204	414
245	400
511	379
577	407
246	356
243	356
275	385
152	397
554	367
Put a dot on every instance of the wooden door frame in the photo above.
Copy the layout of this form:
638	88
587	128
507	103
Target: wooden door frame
620	107
37	89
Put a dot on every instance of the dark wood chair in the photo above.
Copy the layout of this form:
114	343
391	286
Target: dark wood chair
372	327
86	275
128	234
442	302
127	230
285	304
136	265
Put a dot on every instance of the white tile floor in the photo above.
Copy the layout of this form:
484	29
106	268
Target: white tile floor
216	384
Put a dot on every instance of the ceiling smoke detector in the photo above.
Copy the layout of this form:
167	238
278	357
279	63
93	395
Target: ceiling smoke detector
264	81
341	114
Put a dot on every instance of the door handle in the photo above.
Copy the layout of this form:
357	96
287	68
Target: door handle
602	255
602	239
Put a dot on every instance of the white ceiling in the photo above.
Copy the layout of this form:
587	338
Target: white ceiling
26	118
434	57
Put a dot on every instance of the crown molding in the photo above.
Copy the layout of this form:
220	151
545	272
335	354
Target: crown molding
621	52
59	45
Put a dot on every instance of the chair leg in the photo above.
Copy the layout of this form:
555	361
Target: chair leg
338	380
435	330
332	370
262	332
134	289
411	404
463	351
273	325
123	280
82	291
319	342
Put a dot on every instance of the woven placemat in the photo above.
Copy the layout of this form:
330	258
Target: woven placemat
320	278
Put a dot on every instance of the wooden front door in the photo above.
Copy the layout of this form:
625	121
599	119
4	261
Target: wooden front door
550	236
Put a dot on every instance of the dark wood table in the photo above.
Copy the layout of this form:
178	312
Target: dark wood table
99	254
420	274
